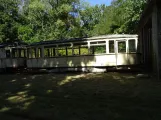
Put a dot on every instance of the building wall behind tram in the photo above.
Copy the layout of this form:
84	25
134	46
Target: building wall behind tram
150	37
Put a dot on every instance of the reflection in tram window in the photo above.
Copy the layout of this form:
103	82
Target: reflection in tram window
28	53
61	52
99	49
33	52
111	47
122	47
39	53
76	51
84	50
47	52
22	53
132	47
69	51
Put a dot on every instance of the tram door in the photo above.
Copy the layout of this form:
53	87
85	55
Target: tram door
120	51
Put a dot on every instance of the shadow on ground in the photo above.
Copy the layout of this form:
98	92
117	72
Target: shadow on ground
92	96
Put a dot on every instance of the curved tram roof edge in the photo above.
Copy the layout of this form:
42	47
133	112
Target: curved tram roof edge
114	36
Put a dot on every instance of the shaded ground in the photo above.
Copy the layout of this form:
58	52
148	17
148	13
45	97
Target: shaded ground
106	96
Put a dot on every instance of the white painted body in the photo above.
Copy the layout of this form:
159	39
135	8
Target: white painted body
104	60
12	62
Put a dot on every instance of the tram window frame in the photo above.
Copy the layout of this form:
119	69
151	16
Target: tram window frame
121	41
109	47
98	43
81	44
135	49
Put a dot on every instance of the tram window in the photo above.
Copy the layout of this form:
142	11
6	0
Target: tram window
98	42
50	52
76	51
14	53
122	47
61	52
33	52
53	53
47	52
80	44
8	54
69	51
132	47
99	49
92	50
39	53
22	53
28	53
111	47
84	50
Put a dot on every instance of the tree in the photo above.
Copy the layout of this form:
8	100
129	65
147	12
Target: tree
122	16
9	20
39	20
49	19
90	17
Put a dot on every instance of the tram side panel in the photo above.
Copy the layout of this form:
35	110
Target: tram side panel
128	59
134	59
13	62
73	61
9	61
122	59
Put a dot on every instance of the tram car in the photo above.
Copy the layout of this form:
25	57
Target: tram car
84	54
12	56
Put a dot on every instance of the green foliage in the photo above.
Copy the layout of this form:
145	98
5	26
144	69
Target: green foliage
9	20
39	20
121	17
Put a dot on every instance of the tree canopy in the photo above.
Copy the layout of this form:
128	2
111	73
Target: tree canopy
39	20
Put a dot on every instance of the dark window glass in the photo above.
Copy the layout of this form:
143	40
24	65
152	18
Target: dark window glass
47	52
122	47
14	53
132	47
98	42
79	44
8	54
111	47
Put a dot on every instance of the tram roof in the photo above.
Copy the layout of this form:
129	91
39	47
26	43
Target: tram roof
115	36
13	44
